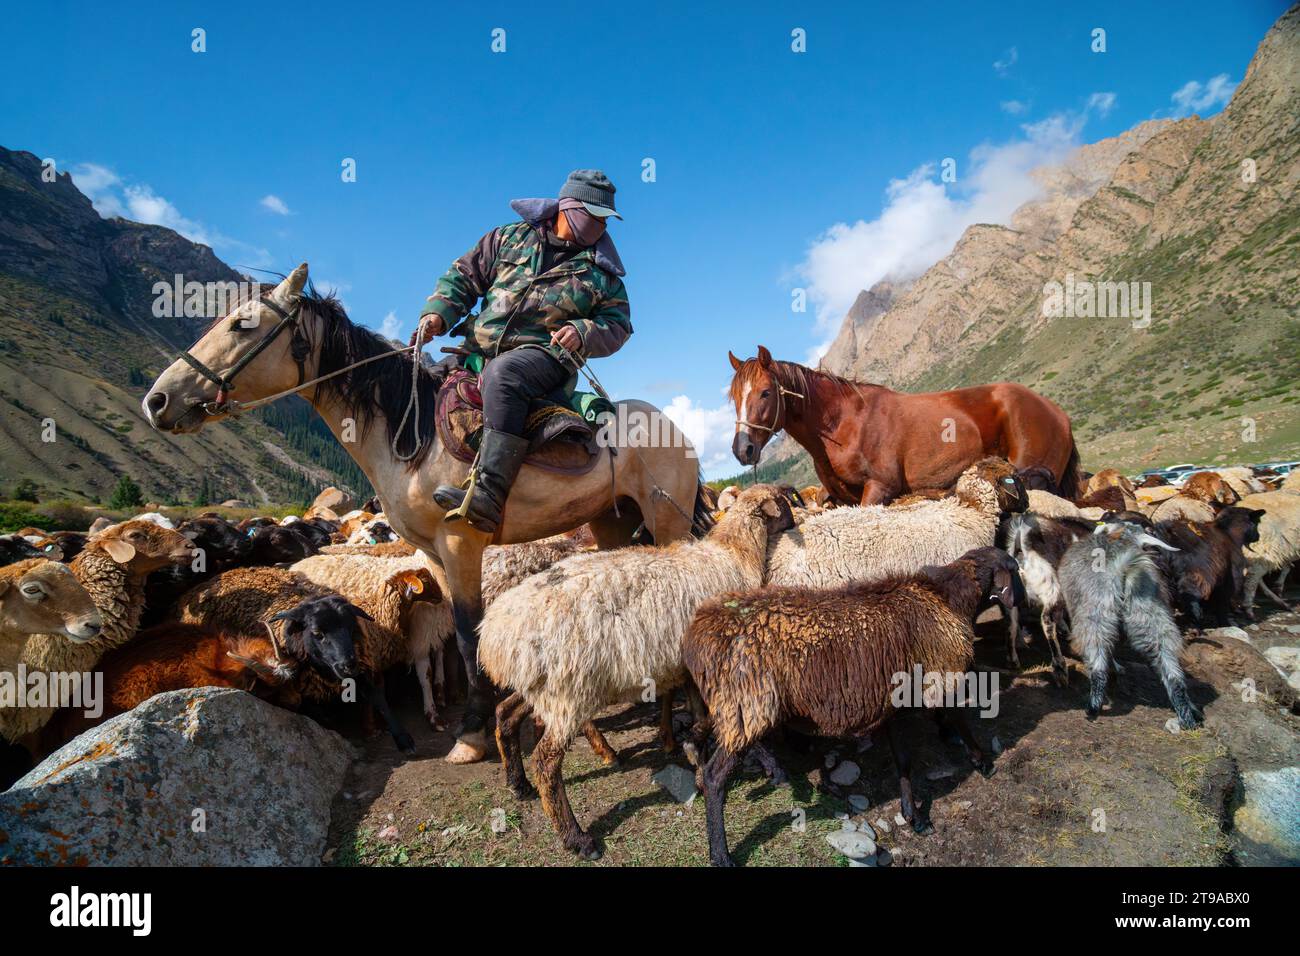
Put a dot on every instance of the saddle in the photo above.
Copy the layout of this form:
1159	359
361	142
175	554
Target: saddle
561	438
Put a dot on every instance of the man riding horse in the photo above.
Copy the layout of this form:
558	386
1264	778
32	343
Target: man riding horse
553	297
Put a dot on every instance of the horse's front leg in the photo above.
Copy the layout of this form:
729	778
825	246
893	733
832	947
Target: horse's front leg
876	492
461	551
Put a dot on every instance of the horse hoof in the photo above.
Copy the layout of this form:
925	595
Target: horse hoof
405	743
986	768
588	849
922	827
465	752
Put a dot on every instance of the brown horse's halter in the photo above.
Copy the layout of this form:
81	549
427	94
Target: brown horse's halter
778	419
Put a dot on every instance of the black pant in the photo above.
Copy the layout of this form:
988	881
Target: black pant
512	380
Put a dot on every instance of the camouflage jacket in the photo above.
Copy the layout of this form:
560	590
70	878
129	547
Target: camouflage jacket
521	307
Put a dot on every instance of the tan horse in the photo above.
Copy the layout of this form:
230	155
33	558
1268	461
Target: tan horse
287	339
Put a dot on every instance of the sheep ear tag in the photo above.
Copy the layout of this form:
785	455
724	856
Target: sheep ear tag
413	583
119	551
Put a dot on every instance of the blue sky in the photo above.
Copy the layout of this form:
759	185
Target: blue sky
774	170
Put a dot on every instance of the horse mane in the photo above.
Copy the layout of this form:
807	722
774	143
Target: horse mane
793	377
382	387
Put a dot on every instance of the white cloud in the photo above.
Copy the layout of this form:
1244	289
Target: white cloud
144	205
923	218
391	327
98	184
1195	97
710	431
112	197
1008	60
1101	103
276	205
1014	107
336	289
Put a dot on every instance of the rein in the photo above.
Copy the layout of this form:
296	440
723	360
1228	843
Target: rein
300	348
226	383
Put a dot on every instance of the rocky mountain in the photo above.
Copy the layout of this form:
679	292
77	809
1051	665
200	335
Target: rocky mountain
1205	211
79	345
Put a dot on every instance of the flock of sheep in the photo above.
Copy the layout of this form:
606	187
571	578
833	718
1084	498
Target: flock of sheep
785	614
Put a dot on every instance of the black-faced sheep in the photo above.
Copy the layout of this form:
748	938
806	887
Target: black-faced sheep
1111	586
1277	549
218	546
425	624
250	602
17	548
601	628
834	660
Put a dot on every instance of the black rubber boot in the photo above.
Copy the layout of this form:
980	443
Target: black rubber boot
499	459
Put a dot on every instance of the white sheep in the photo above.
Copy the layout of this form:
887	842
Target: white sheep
875	542
1277	549
596	629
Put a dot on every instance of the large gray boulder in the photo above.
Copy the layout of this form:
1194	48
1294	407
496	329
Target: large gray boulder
201	777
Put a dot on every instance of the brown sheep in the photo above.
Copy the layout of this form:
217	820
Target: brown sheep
833	660
175	656
1200	498
244	602
112	568
39	596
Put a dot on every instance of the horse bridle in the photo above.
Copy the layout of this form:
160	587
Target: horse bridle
299	347
781	393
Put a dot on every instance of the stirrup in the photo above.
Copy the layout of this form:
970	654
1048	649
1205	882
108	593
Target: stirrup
470	484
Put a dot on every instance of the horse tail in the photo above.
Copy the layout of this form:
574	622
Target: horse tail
702	521
1068	486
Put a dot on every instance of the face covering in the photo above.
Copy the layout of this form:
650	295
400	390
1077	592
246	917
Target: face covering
586	228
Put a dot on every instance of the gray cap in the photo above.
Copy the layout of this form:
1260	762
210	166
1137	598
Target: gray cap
593	189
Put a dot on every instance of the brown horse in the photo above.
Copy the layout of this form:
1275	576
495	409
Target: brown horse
871	444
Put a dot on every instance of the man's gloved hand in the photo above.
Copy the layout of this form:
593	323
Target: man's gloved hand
430	327
567	337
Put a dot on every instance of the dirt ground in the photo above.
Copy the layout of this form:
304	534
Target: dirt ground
1118	791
